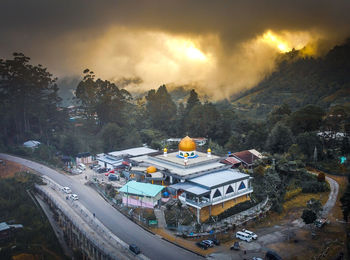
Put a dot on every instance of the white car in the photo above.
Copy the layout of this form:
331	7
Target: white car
208	242
82	166
74	196
243	236
252	234
67	190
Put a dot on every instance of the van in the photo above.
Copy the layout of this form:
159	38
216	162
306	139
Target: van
243	236
67	190
252	234
82	166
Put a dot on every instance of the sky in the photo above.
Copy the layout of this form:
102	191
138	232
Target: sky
217	47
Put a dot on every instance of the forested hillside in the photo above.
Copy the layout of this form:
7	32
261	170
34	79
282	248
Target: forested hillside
298	81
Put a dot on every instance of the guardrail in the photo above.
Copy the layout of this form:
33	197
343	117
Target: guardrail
94	223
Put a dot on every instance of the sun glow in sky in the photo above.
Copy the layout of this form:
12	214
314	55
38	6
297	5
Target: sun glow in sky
187	49
272	39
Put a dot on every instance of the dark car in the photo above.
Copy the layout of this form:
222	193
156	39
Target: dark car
134	248
235	246
202	245
215	240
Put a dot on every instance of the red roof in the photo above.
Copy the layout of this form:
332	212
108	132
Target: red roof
232	160
245	156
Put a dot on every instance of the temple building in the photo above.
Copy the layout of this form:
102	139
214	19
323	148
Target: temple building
199	180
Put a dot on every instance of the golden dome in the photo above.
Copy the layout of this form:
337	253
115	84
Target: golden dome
209	150
186	155
187	144
165	150
151	169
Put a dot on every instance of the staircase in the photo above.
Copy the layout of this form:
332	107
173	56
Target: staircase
160	217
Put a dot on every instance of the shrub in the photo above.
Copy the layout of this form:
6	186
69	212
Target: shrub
314	187
292	193
236	209
308	216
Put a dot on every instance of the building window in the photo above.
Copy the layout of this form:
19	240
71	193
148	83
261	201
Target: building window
229	190
217	194
241	186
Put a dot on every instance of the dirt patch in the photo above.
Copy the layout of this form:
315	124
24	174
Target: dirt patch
8	169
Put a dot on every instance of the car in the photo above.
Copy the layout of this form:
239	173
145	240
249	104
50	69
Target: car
257	258
82	166
202	245
208	242
135	249
74	197
235	246
113	177
243	236
67	190
215	240
107	173
252	234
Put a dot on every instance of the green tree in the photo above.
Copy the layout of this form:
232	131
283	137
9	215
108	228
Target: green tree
314	205
278	113
112	136
29	101
306	119
308	216
192	101
102	98
280	139
161	109
345	201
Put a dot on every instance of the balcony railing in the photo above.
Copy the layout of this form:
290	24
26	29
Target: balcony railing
206	202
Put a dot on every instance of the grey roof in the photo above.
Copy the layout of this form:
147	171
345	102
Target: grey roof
176	166
219	178
137	151
109	159
190	187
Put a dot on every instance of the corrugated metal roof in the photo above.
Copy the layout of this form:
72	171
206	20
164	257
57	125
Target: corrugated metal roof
219	178
142	189
190	187
137	151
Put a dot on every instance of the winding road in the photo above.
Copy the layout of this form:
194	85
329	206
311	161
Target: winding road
151	246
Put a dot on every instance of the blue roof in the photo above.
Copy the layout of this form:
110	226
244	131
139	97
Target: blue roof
140	188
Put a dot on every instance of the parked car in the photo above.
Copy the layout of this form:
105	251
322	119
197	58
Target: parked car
82	166
320	222
67	190
235	246
134	248
257	258
202	245
215	240
252	234
208	242
74	196
243	236
113	177
76	171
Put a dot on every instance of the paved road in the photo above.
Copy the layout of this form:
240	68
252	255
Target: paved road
332	199
151	245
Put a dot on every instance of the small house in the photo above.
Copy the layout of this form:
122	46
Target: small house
139	194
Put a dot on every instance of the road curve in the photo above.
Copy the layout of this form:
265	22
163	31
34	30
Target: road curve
151	245
332	198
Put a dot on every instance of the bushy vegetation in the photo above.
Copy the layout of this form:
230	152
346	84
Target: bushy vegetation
16	205
236	209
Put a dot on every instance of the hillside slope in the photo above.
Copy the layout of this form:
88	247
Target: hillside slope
299	81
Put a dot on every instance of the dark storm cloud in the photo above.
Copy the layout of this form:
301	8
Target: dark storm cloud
67	35
233	21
